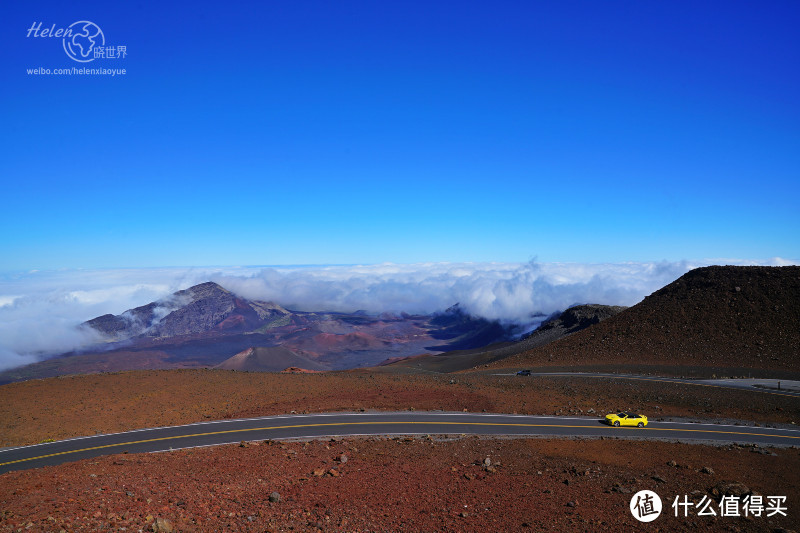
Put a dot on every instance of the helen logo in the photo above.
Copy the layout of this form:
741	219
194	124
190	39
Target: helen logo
79	39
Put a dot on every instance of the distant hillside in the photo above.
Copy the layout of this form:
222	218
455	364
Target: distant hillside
268	359
566	323
731	317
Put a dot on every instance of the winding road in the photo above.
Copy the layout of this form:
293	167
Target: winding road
377	423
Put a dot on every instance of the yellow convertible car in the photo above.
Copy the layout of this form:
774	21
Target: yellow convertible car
626	419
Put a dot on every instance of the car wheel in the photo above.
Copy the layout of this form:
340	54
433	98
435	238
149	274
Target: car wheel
616	423
641	424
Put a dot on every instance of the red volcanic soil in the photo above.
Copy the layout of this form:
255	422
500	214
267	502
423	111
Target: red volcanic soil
401	484
383	485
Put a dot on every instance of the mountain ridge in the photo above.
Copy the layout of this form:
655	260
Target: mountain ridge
719	316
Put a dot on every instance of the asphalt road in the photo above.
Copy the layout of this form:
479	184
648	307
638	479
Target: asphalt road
349	424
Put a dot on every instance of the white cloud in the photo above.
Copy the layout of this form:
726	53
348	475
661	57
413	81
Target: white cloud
502	291
40	311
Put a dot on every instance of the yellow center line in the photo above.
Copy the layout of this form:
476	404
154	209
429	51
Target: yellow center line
499	424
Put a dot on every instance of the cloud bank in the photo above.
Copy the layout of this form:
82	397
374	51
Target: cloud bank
40	311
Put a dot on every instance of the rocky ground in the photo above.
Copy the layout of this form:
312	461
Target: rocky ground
434	484
400	484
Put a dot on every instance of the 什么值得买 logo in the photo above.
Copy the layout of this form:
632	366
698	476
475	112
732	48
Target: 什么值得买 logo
645	506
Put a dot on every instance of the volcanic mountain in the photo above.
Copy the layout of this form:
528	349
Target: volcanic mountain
720	319
199	309
209	326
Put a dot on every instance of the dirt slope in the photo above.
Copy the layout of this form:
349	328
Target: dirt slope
733	317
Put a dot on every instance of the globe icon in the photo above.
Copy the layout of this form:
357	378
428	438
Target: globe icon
80	40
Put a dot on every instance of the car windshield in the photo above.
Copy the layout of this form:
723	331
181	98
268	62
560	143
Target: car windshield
621	415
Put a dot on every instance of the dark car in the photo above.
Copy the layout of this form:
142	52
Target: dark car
524	373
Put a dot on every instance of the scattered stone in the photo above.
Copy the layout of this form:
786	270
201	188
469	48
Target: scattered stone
571	504
343	458
672	463
730	488
622	489
275	497
162	525
659	479
243	444
706	470
319	472
487	462
762	451
697	495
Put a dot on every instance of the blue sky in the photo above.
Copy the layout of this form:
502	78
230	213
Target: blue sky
278	132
